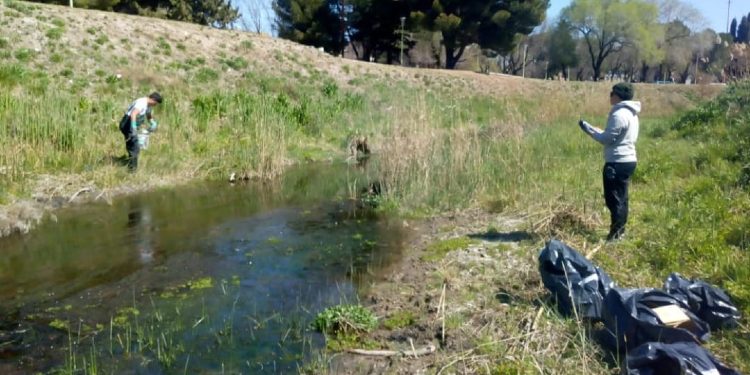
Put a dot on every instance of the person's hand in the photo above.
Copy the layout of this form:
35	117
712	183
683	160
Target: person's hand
153	126
585	126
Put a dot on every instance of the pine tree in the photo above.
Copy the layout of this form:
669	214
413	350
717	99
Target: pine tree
491	24
742	31
376	28
733	30
319	23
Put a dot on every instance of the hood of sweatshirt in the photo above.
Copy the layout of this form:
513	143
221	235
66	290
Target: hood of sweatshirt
632	105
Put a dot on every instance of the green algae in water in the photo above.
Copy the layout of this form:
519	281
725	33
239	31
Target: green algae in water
60	324
203	283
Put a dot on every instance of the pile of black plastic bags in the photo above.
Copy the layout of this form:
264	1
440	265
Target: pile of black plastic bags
634	319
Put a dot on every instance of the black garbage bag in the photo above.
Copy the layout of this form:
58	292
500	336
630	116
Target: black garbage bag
574	281
682	358
630	319
708	302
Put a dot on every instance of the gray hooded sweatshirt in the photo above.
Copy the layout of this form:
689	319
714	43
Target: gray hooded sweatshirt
621	133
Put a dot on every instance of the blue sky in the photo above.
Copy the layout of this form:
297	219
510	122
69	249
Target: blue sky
715	11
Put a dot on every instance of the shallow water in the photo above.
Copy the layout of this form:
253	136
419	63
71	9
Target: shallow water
207	278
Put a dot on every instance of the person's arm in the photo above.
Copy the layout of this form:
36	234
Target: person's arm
615	126
588	128
134	120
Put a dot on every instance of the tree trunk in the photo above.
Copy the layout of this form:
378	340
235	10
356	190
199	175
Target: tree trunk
598	63
644	72
452	56
597	70
686	73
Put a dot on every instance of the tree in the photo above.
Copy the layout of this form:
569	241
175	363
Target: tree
679	51
733	30
720	56
491	24
607	26
310	22
376	27
743	31
561	49
677	10
216	13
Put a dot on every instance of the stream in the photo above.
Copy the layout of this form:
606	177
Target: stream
210	277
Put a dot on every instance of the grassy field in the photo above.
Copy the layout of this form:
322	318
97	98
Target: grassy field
444	140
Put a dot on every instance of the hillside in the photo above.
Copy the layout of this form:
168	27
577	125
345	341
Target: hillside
86	66
459	154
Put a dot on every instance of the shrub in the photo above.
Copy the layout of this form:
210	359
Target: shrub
330	89
101	39
207	107
24	54
206	75
236	63
11	75
164	47
19	6
54	33
345	319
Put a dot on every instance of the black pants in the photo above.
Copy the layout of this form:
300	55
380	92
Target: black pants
616	178
131	143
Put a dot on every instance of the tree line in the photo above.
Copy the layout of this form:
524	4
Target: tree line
635	40
381	30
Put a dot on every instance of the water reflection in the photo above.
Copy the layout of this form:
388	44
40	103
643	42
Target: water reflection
141	228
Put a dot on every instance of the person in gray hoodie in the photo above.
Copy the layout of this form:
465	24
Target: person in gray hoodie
620	160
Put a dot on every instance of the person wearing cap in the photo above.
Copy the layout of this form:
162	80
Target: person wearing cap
618	139
136	115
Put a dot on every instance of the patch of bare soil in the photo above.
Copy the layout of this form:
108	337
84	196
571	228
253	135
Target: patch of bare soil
481	306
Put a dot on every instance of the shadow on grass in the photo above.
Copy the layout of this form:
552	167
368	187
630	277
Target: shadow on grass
121	160
495	236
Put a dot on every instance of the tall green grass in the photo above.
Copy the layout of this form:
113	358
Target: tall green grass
255	130
690	195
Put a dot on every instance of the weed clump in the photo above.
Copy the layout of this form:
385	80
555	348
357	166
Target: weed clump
438	250
399	320
565	220
345	320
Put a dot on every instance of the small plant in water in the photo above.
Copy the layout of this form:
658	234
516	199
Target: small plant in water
345	319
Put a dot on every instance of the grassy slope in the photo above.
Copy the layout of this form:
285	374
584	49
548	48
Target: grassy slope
238	102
